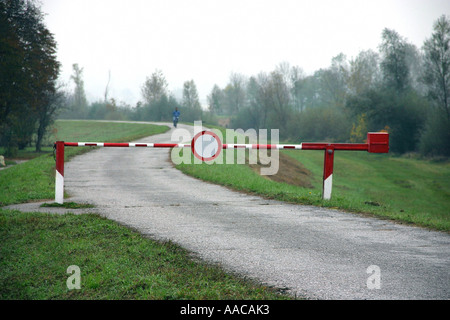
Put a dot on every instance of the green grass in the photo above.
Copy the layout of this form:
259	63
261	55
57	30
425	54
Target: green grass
402	189
68	205
98	131
408	190
115	262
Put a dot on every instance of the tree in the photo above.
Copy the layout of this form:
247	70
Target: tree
263	97
190	95
437	65
107	87
298	83
394	63
333	82
12	55
310	91
260	94
46	115
78	101
435	139
253	116
154	88
29	72
280	99
156	96
234	93
364	73
415	63
402	114
215	100
79	94
192	109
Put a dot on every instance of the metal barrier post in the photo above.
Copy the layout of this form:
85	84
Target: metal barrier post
59	175
328	172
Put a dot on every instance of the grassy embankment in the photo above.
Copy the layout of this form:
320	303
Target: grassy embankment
115	262
398	188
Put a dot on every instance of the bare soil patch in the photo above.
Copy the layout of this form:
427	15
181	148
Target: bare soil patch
290	171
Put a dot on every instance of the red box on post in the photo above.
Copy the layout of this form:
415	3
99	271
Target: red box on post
378	142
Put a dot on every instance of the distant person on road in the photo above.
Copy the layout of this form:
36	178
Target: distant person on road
176	115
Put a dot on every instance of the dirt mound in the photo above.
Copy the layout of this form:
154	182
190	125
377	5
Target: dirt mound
290	171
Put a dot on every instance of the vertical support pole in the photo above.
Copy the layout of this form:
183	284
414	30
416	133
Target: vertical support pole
59	176
328	172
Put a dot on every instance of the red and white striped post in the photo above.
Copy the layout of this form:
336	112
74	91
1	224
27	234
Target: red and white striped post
59	174
328	173
377	142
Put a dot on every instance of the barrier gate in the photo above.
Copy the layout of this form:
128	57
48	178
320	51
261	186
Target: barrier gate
377	142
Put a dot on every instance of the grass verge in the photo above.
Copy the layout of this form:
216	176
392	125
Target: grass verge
67	205
402	189
115	262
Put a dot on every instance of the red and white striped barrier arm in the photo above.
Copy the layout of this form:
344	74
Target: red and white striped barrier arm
126	145
377	142
302	146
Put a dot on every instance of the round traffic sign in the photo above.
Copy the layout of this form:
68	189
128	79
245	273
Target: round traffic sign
206	145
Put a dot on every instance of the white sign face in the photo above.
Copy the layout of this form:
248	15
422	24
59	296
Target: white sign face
206	146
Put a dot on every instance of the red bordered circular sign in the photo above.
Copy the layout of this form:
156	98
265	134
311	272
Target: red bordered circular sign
206	145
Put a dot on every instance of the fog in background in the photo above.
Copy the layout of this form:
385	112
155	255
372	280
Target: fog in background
124	42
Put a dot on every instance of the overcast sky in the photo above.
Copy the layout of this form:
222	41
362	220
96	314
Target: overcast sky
207	40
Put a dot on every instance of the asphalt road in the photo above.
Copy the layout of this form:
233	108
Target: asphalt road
311	252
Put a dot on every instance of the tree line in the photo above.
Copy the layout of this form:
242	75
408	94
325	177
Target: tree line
398	88
157	105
